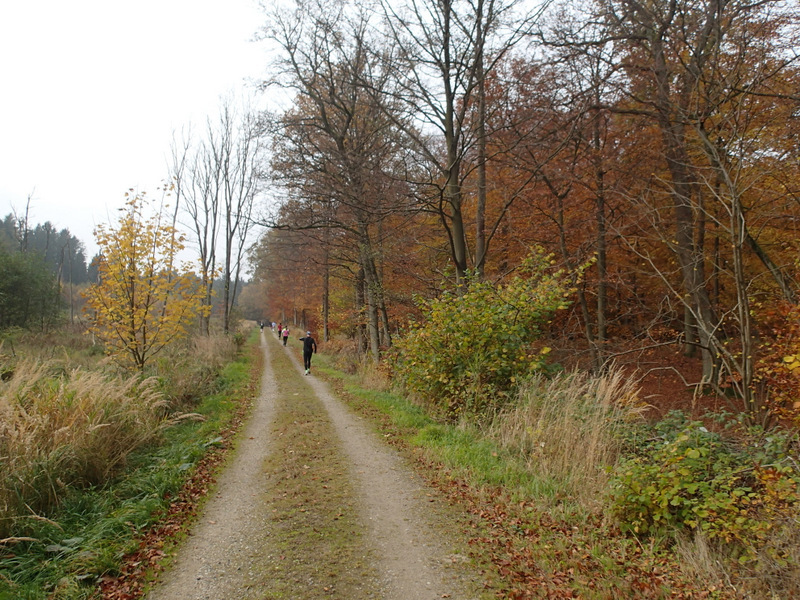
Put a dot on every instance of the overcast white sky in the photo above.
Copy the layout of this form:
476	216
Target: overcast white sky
92	90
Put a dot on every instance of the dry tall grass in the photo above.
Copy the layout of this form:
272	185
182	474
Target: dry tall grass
374	377
774	573
188	372
567	429
62	428
345	354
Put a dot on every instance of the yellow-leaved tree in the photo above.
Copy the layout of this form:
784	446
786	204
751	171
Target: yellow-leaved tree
142	301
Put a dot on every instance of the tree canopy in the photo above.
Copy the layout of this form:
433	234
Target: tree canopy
654	141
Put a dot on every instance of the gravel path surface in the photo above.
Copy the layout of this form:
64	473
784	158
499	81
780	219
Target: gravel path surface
222	558
412	557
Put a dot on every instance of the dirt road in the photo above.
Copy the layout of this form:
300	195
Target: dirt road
258	538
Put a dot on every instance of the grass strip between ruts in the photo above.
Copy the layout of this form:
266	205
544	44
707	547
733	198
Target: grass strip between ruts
319	540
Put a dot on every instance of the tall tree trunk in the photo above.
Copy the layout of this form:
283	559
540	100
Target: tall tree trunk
226	291
361	327
690	260
456	231
371	291
591	338
379	299
747	363
384	316
326	286
480	210
386	333
690	257
600	217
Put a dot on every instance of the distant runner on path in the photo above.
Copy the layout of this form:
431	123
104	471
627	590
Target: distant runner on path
309	349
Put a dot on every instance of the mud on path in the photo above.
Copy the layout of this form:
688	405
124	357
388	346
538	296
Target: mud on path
314	504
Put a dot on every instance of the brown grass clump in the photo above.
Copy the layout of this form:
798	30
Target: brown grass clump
60	429
773	573
374	377
568	429
191	371
346	356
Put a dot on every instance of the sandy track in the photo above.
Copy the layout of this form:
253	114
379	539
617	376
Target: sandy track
223	556
413	558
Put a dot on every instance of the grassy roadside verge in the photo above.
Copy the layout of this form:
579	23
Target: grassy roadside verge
100	536
532	541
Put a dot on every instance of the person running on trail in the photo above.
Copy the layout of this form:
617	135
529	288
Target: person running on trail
285	335
309	348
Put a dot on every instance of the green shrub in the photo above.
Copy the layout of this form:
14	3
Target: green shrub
475	344
688	477
239	339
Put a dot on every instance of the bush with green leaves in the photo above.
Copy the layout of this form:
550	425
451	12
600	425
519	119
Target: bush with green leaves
687	477
474	344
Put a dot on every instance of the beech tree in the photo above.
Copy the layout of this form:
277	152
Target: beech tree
142	302
700	85
335	148
699	71
441	55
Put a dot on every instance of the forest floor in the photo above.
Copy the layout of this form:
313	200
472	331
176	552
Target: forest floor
313	504
667	379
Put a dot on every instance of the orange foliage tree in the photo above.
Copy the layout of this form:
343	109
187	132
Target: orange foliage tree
654	139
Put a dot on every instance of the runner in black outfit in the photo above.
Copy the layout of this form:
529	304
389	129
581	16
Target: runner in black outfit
309	348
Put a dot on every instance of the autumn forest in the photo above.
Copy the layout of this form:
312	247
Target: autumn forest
538	228
648	148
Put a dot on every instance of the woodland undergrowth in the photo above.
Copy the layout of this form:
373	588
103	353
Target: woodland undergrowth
563	479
